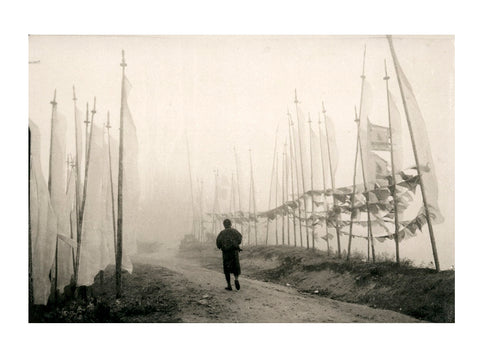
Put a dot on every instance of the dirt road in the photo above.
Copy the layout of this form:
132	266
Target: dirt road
259	302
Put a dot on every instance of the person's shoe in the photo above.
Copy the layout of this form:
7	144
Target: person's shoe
237	284
228	288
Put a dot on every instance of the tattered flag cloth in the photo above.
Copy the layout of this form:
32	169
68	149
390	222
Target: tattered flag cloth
131	182
58	198
420	136
43	223
93	246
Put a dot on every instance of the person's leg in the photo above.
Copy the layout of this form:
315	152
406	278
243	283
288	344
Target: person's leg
237	283
229	284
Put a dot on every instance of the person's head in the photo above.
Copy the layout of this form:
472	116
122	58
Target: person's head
227	223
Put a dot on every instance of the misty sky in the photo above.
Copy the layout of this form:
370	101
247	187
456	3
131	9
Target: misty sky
233	91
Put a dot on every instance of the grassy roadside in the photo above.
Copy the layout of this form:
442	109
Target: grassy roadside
418	292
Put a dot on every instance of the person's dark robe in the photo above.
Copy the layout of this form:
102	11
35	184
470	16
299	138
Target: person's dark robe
229	241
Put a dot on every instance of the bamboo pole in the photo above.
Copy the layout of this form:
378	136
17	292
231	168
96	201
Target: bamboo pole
78	219
354	186
108	126
332	177
119	253
311	179
369	225
191	186
301	168
422	187
54	108
72	175
85	183
30	250
324	184
370	243
292	141
394	182
271	182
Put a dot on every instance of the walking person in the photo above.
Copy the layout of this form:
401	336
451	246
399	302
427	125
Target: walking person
229	240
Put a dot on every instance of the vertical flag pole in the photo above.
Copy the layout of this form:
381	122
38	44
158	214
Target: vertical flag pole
422	187
311	180
119	253
394	182
54	108
77	187
108	126
271	182
301	168
30	252
354	188
369	225
332	180
294	156
367	202
73	166
324	184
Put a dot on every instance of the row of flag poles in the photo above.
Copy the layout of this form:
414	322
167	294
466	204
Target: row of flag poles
375	201
83	218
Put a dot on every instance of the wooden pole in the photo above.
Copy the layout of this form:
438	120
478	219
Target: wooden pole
108	126
369	225
253	198
394	182
78	217
422	187
54	109
332	177
292	142
367	201
301	168
119	253
71	166
311	179
191	185
30	249
85	182
354	187
86	122
271	183
324	184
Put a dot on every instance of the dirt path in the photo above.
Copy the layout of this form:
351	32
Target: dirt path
260	301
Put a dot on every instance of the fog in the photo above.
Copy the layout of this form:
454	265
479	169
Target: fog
232	91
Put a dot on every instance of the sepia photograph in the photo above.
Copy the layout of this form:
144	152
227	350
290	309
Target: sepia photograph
241	178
